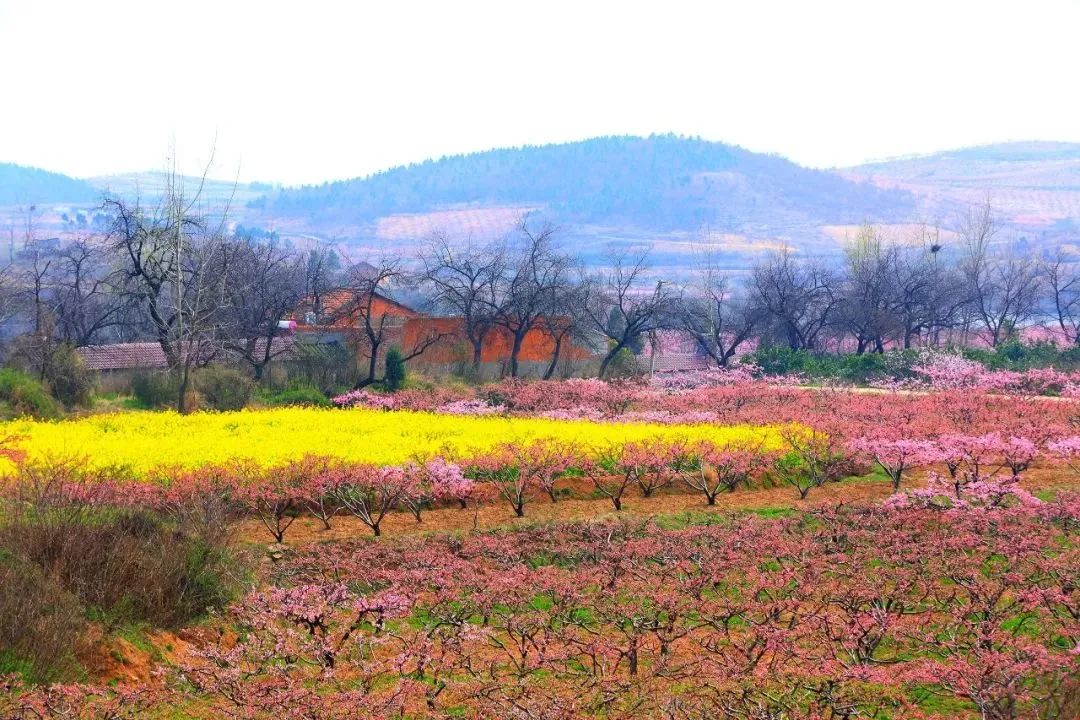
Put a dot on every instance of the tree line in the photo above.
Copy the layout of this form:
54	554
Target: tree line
170	274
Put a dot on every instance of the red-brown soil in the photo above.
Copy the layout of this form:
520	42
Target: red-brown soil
497	513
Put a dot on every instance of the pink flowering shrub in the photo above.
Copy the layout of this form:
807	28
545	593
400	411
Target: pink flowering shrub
895	455
942	493
518	472
714	469
449	482
608	398
369	493
470	407
949	371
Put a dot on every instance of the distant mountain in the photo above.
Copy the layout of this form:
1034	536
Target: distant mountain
1036	185
611	187
30	186
672	193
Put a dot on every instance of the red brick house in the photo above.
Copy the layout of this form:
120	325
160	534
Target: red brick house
439	343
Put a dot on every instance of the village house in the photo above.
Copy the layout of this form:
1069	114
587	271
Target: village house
117	364
437	344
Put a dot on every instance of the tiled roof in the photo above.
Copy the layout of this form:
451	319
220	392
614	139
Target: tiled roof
123	356
673	362
149	356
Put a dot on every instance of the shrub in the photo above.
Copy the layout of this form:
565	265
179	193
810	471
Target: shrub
330	367
779	360
395	370
39	621
224	388
862	368
624	365
129	566
303	395
22	395
66	375
154	389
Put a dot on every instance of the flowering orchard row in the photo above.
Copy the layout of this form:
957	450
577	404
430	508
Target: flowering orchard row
740	400
856	612
635	400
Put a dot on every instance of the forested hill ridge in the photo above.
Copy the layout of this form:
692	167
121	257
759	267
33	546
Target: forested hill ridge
664	191
28	186
658	183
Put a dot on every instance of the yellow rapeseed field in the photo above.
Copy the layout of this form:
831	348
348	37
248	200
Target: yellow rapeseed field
141	441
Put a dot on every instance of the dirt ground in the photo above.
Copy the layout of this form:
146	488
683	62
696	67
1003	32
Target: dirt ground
498	514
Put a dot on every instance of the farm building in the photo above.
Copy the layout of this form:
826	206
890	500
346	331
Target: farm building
115	365
439	342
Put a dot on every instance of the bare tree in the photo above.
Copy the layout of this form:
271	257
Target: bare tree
32	279
321	274
717	320
799	297
1062	276
9	293
711	310
86	298
929	293
267	284
621	306
463	281
565	323
867	294
176	267
535	272
1003	284
374	314
37	265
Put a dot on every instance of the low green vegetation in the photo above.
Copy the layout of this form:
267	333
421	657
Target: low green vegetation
23	396
870	367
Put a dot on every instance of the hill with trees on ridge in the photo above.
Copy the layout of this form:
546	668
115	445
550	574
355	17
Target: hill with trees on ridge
21	185
655	184
669	192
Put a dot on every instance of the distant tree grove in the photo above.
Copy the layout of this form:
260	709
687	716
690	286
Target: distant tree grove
206	294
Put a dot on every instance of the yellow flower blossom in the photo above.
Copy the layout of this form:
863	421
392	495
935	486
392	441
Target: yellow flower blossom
142	441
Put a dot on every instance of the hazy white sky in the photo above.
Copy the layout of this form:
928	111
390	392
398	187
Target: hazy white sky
307	91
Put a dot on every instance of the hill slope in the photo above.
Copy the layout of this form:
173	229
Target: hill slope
1035	184
29	186
621	187
148	187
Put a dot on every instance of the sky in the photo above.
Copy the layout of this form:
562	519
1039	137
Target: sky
303	92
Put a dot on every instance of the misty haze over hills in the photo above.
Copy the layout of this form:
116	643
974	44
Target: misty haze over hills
1035	185
673	193
27	186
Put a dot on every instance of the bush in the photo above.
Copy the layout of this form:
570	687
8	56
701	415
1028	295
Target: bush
125	566
624	365
329	367
39	622
850	367
395	370
863	368
22	395
295	396
1015	355
224	388
779	360
154	389
66	375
